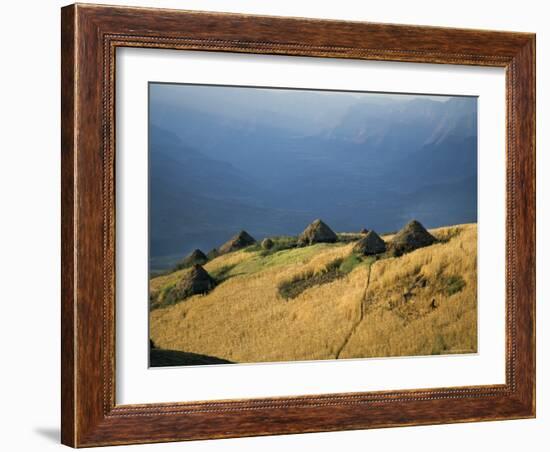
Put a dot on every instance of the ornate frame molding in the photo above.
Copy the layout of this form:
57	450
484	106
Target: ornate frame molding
90	37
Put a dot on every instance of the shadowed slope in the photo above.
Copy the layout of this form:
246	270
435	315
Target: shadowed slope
165	358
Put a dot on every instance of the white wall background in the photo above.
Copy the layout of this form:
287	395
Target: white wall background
29	229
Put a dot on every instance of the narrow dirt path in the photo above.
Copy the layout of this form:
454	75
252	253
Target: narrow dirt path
361	314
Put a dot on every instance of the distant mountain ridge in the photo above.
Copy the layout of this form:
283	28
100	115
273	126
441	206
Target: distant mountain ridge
212	173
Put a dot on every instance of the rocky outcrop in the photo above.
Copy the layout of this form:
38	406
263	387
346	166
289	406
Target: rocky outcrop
267	244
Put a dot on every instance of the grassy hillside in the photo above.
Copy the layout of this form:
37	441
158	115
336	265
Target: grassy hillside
322	302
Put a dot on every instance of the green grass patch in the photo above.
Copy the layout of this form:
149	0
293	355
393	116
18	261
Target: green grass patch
163	298
291	256
336	269
253	248
349	263
454	284
168	296
280	243
294	287
222	273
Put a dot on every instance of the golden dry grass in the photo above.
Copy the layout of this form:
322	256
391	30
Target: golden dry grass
244	319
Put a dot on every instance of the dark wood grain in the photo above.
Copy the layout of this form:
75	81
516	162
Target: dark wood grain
90	36
68	147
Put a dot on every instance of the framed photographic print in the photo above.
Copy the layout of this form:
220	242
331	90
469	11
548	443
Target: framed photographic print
281	225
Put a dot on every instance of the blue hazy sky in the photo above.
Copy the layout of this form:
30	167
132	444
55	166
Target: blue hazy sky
307	111
270	161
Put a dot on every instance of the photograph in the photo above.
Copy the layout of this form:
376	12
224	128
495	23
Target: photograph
302	224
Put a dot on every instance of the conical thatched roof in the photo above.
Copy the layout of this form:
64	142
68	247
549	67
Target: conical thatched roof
237	242
193	282
411	237
317	232
370	244
195	257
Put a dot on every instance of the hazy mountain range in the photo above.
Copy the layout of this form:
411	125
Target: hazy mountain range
269	161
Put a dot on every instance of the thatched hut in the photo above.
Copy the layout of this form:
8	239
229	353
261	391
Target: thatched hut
317	232
237	242
193	258
193	282
411	237
370	245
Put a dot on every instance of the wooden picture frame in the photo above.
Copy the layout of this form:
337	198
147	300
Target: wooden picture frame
90	36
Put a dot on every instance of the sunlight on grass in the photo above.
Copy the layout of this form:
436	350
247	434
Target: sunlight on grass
421	303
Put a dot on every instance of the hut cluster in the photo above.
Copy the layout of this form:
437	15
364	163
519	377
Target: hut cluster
197	281
412	236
